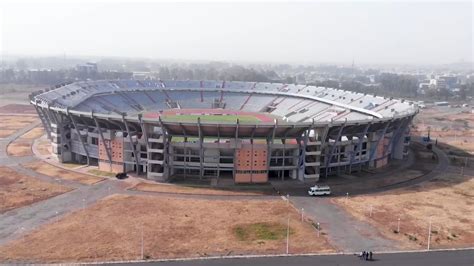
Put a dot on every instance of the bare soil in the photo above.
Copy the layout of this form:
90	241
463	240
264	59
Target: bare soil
6	132
165	188
53	171
44	147
20	148
17	190
22	145
34	133
172	227
10	122
450	126
449	200
18	109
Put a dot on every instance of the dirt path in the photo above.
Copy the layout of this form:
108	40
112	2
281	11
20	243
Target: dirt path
343	231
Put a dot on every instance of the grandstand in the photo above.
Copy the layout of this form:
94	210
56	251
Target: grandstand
249	132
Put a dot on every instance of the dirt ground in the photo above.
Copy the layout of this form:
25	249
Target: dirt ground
6	132
20	148
164	188
44	147
172	227
51	170
17	109
22	145
452	126
17	190
449	200
10	124
34	133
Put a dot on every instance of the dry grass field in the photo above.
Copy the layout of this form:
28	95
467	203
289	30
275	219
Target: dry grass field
450	126
17	108
111	230
17	190
22	145
165	188
20	148
53	171
449	200
34	133
10	124
44	147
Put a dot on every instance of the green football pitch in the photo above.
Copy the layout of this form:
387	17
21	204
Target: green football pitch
211	118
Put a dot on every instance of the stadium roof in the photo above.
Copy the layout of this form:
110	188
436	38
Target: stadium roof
293	103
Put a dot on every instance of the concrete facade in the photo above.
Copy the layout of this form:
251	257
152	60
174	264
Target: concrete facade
246	152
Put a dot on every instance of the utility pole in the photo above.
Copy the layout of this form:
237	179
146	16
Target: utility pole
319	229
429	234
302	214
288	236
142	245
398	225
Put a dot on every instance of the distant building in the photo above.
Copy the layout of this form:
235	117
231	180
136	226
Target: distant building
142	75
87	68
423	87
441	103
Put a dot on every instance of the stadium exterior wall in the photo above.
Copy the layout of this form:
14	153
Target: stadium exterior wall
303	150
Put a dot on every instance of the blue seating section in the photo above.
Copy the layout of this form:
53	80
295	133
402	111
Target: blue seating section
135	96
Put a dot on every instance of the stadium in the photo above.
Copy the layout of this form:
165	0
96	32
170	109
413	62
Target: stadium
246	132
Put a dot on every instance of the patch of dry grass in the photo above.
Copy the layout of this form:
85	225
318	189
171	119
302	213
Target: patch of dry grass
17	190
53	171
34	133
22	145
44	147
449	200
178	189
20	148
10	124
172	227
6	132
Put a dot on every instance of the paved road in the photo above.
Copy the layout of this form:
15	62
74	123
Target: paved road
433	258
344	232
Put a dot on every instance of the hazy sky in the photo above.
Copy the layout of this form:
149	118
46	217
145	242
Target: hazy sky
303	32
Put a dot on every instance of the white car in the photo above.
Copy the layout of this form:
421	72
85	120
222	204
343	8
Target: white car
319	190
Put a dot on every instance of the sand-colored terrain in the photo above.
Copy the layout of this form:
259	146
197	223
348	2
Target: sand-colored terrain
44	147
54	171
18	109
166	188
17	190
6	132
22	145
172	227
34	133
8	122
453	127
20	148
449	200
